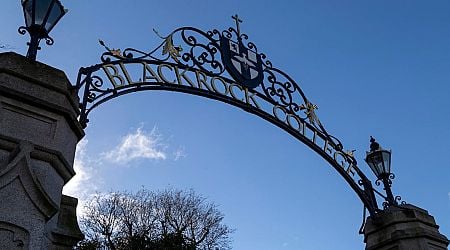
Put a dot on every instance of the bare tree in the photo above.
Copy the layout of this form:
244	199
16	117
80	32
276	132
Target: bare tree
169	219
101	221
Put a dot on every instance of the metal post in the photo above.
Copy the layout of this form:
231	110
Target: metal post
387	187
33	47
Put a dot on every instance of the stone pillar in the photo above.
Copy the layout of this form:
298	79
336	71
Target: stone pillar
38	135
404	227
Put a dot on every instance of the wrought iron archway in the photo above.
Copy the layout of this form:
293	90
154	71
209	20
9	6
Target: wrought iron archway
224	66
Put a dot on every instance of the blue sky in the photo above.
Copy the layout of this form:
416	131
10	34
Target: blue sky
379	68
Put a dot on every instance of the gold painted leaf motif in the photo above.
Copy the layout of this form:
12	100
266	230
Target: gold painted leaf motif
169	48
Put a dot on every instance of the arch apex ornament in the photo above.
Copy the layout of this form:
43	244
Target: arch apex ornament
241	62
223	66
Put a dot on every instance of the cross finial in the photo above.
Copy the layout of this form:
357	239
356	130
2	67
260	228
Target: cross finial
238	29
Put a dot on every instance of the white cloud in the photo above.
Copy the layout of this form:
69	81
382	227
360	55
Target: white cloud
83	174
137	145
82	186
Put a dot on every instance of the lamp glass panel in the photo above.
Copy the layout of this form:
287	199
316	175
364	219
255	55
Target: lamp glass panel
378	160
28	11
375	161
387	161
42	8
372	166
55	14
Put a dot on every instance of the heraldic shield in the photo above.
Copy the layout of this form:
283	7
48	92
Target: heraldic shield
243	64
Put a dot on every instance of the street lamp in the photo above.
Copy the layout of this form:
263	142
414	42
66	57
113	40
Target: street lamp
379	160
40	18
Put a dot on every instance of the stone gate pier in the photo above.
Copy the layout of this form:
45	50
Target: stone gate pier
404	227
38	136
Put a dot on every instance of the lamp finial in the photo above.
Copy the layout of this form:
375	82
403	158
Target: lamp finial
373	144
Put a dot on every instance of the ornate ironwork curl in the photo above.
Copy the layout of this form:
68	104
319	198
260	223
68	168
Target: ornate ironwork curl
202	50
205	56
201	53
397	199
391	176
378	182
22	30
49	40
97	84
388	178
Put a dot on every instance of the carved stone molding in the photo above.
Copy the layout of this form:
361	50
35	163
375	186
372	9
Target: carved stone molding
19	167
13	237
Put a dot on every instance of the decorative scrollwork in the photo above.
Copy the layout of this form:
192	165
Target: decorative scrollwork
387	178
391	176
266	63
397	199
39	34
22	30
281	92
212	55
49	41
189	47
378	182
96	84
203	51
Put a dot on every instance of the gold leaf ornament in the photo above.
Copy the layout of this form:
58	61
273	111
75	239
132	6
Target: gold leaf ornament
169	48
114	52
310	113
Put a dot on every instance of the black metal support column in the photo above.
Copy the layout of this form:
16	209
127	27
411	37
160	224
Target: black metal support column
33	47
387	187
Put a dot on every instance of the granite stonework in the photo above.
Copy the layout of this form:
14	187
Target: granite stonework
404	227
38	136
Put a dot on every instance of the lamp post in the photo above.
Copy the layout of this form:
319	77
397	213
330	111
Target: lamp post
402	227
40	18
379	161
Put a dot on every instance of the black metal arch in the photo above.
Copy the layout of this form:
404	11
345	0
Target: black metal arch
200	70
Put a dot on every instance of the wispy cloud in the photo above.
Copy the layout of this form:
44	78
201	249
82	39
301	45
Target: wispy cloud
293	241
137	145
83	171
179	154
82	186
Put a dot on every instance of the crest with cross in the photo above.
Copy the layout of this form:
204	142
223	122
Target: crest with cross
242	63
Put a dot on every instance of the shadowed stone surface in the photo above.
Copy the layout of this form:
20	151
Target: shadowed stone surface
405	227
38	137
63	230
38	104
